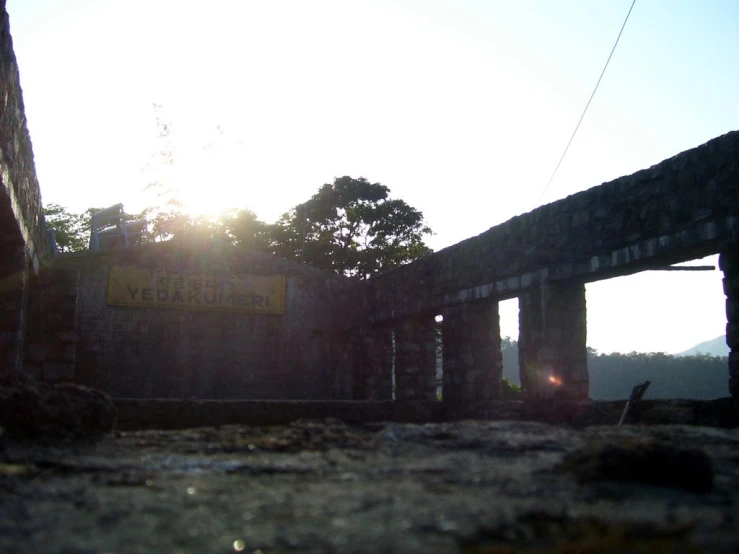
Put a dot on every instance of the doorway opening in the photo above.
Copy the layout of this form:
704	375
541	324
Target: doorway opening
667	327
508	315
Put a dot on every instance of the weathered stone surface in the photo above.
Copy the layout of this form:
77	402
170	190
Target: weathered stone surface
415	359
372	363
163	353
552	342
643	461
33	410
21	215
180	414
472	362
13	302
323	486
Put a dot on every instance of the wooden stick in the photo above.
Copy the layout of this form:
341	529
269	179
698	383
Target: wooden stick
636	393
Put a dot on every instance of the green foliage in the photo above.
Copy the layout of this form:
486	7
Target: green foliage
72	230
612	376
243	228
352	227
511	391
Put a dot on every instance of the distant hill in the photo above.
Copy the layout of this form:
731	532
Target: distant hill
612	376
715	347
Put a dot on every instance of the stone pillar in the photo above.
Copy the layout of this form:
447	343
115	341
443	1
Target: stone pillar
415	359
472	361
13	299
373	363
729	264
552	352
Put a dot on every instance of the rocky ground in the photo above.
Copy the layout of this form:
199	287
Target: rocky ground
324	486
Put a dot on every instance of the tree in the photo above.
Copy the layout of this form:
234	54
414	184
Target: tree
71	230
243	228
352	227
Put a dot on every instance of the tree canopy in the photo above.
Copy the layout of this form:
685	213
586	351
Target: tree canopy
71	230
351	227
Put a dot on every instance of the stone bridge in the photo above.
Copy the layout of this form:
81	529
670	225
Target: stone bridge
684	208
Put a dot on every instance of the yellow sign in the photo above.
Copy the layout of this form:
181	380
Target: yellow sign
162	288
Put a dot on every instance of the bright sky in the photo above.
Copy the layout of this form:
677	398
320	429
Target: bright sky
461	107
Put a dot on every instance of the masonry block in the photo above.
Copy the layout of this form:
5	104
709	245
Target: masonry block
13	300
472	362
373	363
552	341
415	358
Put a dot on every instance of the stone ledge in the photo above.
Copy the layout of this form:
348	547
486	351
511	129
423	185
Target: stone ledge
187	413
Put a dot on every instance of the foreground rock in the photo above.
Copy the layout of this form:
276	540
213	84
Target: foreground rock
323	486
33	410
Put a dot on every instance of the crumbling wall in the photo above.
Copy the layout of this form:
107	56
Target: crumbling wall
21	214
24	243
150	352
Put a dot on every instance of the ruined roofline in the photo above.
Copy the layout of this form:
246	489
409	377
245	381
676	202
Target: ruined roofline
71	259
684	207
615	186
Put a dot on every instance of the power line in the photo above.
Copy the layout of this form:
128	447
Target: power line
588	104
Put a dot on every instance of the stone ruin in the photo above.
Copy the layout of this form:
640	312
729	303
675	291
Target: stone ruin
293	386
175	320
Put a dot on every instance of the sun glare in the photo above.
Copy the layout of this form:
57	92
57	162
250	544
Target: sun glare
202	180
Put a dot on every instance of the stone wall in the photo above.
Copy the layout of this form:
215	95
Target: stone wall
24	243
415	358
21	215
13	300
149	352
51	339
729	263
372	361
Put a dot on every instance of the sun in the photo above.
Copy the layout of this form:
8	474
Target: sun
205	183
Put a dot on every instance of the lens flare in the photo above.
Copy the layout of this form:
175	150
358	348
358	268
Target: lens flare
554	380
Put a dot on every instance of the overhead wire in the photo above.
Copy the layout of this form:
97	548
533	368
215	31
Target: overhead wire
588	104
